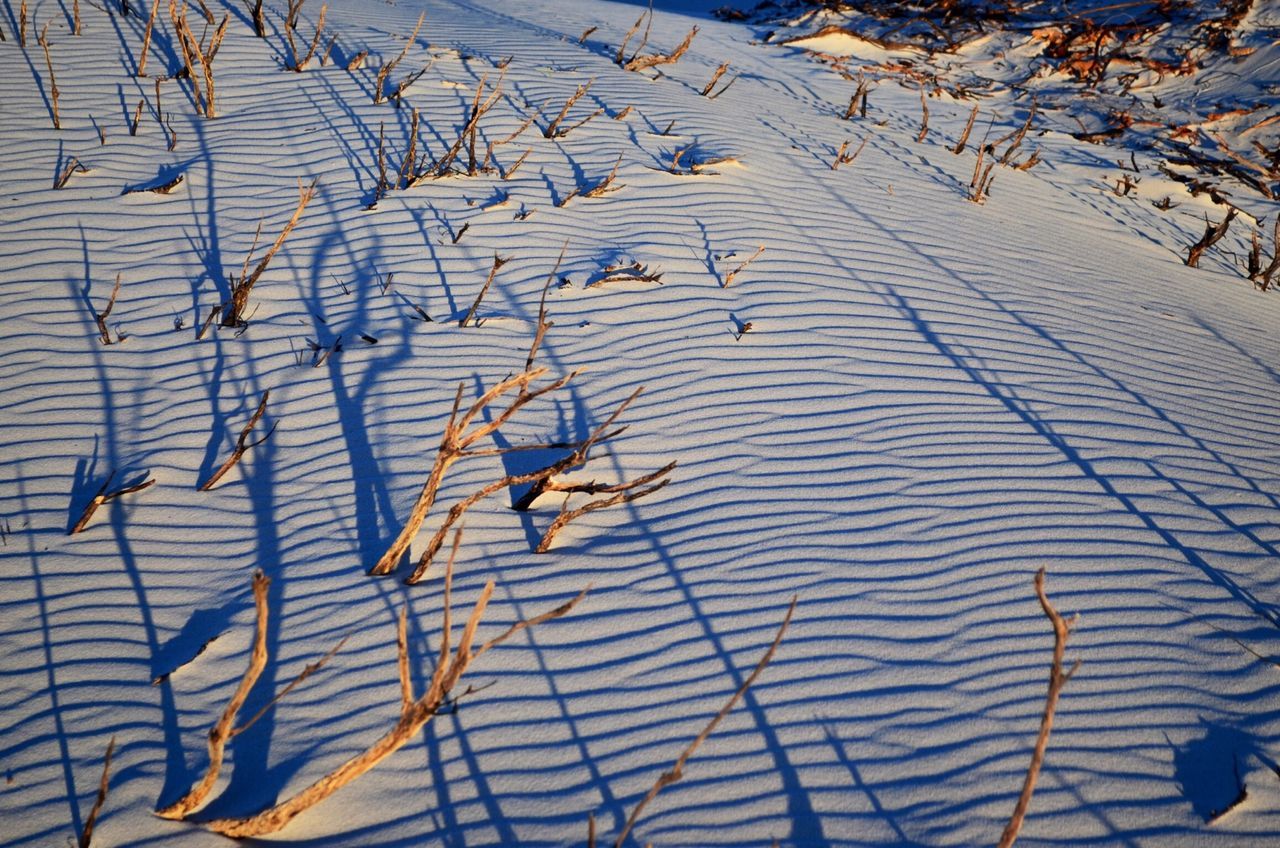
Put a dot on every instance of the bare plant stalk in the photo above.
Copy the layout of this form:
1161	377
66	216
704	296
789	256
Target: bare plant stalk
146	39
1019	135
137	116
1213	233
622	48
623	493
924	116
715	77
104	496
479	107
409	166
1264	276
1057	679
381	190
541	480
221	731
585	33
515	166
101	317
964	136
387	68
543	324
73	166
859	97
639	63
498	262
259	20
415	712
677	769
456	443
53	82
600	189
75	18
104	783
22	25
728	279
845	158
242	444
299	64
550	131
241	288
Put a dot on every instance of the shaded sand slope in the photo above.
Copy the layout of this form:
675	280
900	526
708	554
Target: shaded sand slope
934	399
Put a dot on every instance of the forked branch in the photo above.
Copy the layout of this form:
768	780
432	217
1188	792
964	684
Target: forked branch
104	496
242	444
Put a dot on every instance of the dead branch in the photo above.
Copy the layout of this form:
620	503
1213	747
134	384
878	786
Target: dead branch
233	314
624	493
601	188
551	130
101	317
1057	679
415	712
242	444
86	834
924	117
677	770
1262	277
729	278
639	63
622	48
543	323
104	496
964	136
845	158
146	41
498	262
221	730
455	443
715	77
74	166
1213	233
387	68
53	82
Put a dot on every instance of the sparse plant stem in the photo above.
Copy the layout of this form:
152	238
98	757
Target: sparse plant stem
75	18
53	82
233	314
640	63
715	77
104	784
964	136
146	40
137	116
622	493
242	444
843	157
924	116
498	262
1057	679
729	278
387	68
677	769
550	131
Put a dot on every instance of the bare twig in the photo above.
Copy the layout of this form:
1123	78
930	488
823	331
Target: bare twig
964	136
639	63
387	68
53	82
1213	233
146	42
498	262
924	116
551	130
221	731
86	833
242	444
729	278
1057	679
677	769
101	317
622	493
104	496
233	315
715	77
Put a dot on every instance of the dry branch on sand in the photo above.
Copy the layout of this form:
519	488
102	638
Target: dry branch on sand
101	317
844	157
415	710
729	278
146	40
637	62
605	186
1262	277
498	262
677	769
242	444
104	496
388	67
233	310
552	130
1057	679
104	784
196	57
53	82
619	493
457	442
1213	233
299	63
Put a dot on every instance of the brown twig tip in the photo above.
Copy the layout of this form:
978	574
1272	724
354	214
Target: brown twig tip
677	769
86	833
1057	680
729	278
378	94
498	262
101	318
